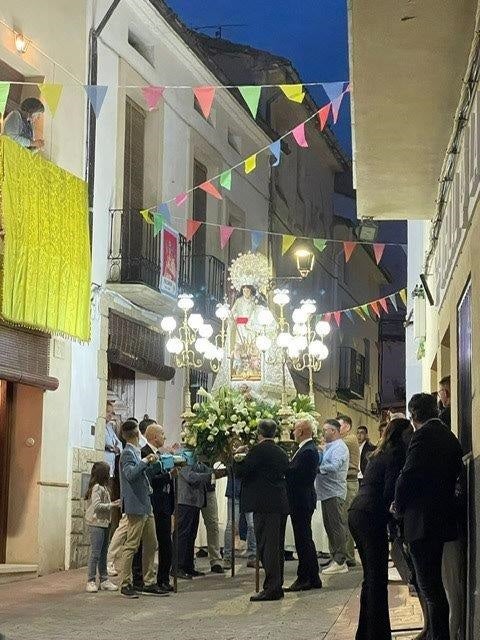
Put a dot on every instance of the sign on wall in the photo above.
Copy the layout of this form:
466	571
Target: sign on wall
170	262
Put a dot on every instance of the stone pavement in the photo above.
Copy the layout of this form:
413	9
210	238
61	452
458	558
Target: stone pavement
216	607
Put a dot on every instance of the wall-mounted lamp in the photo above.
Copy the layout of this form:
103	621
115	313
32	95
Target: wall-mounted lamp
305	260
21	43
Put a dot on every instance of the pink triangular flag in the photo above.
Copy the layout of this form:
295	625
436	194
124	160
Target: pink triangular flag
205	96
336	315
383	304
208	187
299	135
225	233
327	317
152	96
336	104
180	199
349	248
378	249
374	306
323	114
192	228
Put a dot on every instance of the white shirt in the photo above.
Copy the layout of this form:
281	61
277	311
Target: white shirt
360	448
111	440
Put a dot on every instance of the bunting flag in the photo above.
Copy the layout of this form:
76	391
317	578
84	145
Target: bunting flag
293	92
164	210
51	94
403	296
147	215
299	135
226	179
209	188
374	306
225	233
337	316
384	304
349	315
348	248
152	95
287	242
393	300
364	308
158	222
4	91
96	95
359	312
319	244
251	95
205	96
327	317
192	228
323	114
251	163
276	150
405	249
378	250
256	239
180	199
336	104
333	89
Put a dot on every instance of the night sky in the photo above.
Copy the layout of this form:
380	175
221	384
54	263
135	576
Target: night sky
313	34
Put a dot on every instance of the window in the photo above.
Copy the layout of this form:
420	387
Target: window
147	51
234	141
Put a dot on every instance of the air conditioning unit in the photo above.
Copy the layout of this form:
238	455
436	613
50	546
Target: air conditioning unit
351	381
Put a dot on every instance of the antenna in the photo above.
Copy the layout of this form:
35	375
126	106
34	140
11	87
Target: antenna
218	28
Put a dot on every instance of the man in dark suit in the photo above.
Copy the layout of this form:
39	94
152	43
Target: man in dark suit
366	448
264	492
302	499
425	499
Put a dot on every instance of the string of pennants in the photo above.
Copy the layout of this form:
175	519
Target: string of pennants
205	95
257	237
369	311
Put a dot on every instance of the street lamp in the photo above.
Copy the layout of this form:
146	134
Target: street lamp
305	260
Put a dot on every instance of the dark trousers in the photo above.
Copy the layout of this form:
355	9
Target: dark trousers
307	554
333	513
270	536
188	519
427	561
372	543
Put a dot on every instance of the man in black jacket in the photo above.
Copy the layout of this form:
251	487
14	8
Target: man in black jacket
302	499
264	492
365	447
425	498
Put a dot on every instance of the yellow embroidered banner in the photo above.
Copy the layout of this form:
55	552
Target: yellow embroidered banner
46	267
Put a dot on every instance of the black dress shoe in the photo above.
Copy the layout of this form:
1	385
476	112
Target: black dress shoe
167	586
317	584
267	596
129	592
183	575
217	568
196	574
299	586
154	590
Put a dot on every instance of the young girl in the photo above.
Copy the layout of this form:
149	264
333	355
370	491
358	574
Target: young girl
97	516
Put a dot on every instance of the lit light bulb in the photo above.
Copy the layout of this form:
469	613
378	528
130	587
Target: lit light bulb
168	324
300	342
220	354
299	330
195	321
284	340
293	352
174	345
210	351
299	316
185	301
308	306
201	345
206	331
321	351
322	328
315	347
21	43
281	297
263	343
222	311
265	317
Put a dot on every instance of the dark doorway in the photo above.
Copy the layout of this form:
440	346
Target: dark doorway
6	404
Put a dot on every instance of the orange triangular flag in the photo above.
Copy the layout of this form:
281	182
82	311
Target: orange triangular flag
349	248
205	96
336	315
374	306
192	228
378	250
208	187
323	114
383	304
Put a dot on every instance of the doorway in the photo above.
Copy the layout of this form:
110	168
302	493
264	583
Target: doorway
6	404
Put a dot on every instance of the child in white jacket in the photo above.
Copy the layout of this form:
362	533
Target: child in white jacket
97	517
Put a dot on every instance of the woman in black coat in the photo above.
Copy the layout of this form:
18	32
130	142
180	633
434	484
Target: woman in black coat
368	519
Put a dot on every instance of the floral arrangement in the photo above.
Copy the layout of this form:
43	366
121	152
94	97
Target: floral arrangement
229	418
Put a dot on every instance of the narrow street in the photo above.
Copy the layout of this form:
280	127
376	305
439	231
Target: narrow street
55	607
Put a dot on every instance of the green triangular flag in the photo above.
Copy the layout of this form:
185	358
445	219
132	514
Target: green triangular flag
158	222
359	312
226	179
251	95
4	90
364	308
319	244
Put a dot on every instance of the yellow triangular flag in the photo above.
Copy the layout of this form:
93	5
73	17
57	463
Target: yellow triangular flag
359	312
250	163
51	93
403	296
147	215
293	92
287	242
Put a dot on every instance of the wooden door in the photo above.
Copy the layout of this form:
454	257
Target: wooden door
6	397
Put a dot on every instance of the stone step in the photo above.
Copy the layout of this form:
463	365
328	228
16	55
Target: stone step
15	572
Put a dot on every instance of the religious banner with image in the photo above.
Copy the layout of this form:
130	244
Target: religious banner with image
170	262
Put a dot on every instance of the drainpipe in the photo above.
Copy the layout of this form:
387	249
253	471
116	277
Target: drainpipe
91	119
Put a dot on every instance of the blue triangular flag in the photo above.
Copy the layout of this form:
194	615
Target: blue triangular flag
405	249
96	94
165	211
349	315
257	239
393	300
333	89
276	149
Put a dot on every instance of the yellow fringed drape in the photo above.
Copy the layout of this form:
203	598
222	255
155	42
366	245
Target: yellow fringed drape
46	262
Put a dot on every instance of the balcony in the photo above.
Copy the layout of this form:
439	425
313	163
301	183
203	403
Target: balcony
135	267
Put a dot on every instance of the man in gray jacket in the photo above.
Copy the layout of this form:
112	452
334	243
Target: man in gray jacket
135	490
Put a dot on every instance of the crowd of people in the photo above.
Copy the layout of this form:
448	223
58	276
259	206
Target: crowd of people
397	499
